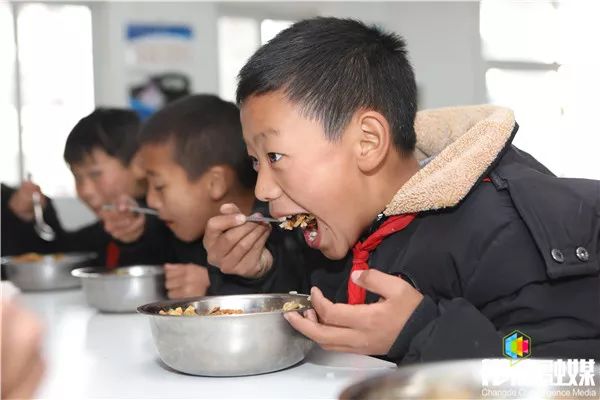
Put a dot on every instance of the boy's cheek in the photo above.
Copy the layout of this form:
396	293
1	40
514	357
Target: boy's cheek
185	231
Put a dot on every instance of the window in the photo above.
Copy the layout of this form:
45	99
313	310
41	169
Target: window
269	28
540	63
9	136
239	38
54	89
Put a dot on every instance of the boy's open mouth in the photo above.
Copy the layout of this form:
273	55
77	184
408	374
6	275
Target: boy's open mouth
304	221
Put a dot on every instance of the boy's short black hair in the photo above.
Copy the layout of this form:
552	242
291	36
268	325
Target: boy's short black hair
332	68
205	131
113	130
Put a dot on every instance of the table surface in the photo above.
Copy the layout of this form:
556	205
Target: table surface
90	354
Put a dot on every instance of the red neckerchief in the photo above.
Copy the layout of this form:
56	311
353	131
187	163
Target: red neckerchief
112	255
362	250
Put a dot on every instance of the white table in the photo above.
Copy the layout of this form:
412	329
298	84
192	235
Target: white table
95	355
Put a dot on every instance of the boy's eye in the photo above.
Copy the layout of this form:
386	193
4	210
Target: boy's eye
159	188
274	157
95	174
254	162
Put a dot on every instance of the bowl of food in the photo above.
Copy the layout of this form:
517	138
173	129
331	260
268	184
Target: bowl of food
470	379
228	335
122	289
33	271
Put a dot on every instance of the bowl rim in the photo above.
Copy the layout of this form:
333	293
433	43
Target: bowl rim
104	273
165	303
68	258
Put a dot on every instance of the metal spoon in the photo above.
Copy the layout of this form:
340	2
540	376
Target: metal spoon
260	218
43	230
140	210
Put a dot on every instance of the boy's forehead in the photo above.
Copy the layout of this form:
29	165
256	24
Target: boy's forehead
90	159
258	105
263	115
156	156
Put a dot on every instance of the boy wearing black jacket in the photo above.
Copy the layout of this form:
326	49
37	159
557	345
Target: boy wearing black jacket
99	151
444	258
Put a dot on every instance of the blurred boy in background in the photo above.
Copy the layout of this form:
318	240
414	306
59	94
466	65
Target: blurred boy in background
196	163
100	153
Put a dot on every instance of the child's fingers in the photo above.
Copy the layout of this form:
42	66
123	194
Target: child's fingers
219	250
175	294
173	271
250	265
311	315
378	282
135	227
21	342
243	236
337	314
247	242
174	282
219	224
31	378
229	208
326	336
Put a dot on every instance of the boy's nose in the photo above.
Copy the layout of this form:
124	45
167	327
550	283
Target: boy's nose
152	199
86	191
266	188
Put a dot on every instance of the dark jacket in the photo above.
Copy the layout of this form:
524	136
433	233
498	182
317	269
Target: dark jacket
486	268
499	244
19	237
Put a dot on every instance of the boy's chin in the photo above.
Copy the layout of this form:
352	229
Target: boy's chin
334	252
185	235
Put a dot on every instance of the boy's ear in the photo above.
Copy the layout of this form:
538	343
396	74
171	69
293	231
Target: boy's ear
374	141
217	183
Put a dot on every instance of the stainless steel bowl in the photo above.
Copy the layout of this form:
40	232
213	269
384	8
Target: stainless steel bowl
122	289
468	379
48	273
256	342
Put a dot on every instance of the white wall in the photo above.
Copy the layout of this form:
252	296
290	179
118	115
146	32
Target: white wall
73	214
110	21
442	37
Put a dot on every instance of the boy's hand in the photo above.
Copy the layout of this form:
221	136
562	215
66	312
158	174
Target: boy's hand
21	201
365	328
186	280
22	363
235	246
121	223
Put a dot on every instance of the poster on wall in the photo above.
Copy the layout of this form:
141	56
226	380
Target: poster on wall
159	62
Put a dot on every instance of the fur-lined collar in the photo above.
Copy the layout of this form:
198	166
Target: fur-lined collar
464	141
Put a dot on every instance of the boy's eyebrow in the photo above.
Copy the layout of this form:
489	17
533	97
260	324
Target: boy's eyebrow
150	172
262	135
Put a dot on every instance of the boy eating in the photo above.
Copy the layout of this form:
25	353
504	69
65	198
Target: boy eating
100	153
194	157
443	259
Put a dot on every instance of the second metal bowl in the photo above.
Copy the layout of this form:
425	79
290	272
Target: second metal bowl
44	272
122	289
